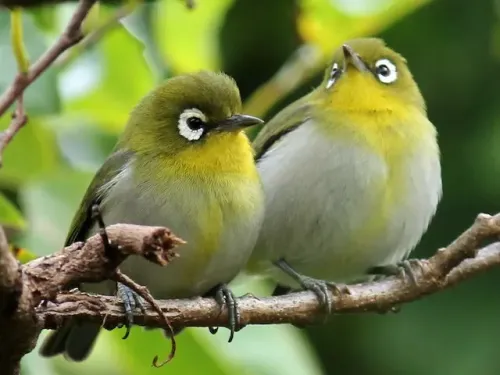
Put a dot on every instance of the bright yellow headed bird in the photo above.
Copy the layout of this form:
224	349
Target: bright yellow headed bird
183	161
351	174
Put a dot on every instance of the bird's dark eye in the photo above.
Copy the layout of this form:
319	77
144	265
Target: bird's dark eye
386	71
195	123
191	124
383	70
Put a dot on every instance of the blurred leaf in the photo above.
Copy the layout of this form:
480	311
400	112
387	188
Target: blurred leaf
49	205
44	18
42	96
192	357
85	145
254	48
281	349
9	214
104	360
30	154
327	23
112	355
188	38
22	255
125	78
33	364
141	24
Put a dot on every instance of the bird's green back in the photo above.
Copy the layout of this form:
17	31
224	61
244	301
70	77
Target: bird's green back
287	120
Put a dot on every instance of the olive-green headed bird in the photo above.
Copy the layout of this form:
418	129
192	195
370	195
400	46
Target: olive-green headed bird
351	174
184	162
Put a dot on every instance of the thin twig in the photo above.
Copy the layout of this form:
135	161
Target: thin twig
146	295
71	36
17	40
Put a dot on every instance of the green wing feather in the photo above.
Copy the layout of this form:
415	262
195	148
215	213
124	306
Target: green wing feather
82	221
287	120
77	339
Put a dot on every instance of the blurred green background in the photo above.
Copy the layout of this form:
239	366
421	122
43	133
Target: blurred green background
276	51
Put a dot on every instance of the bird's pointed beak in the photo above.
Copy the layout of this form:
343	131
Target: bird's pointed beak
237	122
351	57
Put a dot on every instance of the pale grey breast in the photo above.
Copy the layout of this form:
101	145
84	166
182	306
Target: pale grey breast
180	210
320	194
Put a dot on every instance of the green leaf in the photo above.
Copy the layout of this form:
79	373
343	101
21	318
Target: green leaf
84	145
140	23
120	84
281	349
31	154
34	364
196	46
145	344
42	96
9	214
351	19
23	255
49	205
44	18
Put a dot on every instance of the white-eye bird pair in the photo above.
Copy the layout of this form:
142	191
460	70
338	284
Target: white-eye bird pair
350	180
351	174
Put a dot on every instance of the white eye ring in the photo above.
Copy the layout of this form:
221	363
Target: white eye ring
386	71
185	130
333	76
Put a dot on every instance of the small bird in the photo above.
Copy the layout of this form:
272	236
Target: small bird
351	175
184	162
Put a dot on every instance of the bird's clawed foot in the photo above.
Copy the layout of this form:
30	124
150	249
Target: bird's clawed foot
404	269
131	300
226	299
321	288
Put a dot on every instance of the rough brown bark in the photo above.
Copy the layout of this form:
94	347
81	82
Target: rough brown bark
24	288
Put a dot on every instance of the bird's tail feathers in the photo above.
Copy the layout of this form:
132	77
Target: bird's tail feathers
74	339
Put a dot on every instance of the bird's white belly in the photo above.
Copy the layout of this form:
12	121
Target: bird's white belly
324	207
196	270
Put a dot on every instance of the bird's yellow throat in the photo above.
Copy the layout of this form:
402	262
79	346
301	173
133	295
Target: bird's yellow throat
360	93
219	154
229	152
363	110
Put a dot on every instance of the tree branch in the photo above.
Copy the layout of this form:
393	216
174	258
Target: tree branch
24	288
17	327
71	36
10	279
300	308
